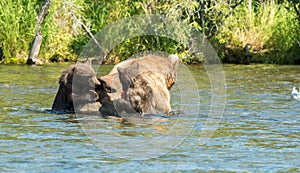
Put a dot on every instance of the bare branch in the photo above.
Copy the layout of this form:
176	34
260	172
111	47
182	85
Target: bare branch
89	33
35	48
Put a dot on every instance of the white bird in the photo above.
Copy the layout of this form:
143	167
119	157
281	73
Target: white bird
295	94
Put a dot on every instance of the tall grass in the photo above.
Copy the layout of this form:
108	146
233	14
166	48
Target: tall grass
17	27
269	27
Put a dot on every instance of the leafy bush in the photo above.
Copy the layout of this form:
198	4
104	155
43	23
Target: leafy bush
18	27
268	27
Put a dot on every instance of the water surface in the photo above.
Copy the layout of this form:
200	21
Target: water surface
259	131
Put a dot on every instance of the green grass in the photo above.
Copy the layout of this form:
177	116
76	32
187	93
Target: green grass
17	28
269	27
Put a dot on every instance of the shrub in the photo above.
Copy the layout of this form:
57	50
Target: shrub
269	27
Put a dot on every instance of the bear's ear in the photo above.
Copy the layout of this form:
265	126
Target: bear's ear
133	70
66	75
174	60
88	62
135	67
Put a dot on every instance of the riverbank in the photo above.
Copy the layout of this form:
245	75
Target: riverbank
271	28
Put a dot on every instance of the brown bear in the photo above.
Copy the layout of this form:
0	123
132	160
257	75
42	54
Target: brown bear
79	88
143	84
133	86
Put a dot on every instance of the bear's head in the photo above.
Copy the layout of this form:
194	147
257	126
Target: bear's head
79	82
79	77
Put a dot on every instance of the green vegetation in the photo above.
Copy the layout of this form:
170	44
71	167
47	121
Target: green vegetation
17	23
270	27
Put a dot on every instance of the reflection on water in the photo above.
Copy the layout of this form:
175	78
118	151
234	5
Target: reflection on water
259	131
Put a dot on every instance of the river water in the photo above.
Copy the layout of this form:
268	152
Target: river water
259	130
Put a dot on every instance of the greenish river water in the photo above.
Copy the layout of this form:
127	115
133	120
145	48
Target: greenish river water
258	132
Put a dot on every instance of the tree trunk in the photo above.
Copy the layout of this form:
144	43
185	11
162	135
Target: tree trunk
35	49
